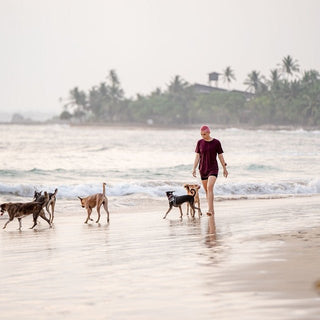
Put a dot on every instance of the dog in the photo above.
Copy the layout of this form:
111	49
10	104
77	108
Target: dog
38	197
96	200
177	201
20	210
196	188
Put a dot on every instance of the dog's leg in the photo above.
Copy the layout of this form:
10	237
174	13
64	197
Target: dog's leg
35	217
19	219
5	225
43	216
53	203
47	208
199	210
187	208
193	210
181	213
105	205
170	207
98	210
89	210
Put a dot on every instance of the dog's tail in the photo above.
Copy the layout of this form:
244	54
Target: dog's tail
193	191
104	188
55	193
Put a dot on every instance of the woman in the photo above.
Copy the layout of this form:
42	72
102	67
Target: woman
207	150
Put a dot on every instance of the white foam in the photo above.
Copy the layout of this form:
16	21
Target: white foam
158	189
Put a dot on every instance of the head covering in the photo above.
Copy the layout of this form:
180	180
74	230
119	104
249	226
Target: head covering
205	129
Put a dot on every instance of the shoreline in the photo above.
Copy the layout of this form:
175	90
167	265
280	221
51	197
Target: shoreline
257	257
130	125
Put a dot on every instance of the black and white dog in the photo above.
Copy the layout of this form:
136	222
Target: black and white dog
177	201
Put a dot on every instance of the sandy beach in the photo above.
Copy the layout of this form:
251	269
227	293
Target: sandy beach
250	262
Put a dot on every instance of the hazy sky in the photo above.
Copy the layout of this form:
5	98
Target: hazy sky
50	46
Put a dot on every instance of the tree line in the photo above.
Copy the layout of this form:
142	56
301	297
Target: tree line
287	96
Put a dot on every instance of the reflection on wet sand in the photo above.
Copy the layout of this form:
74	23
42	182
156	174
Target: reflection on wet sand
211	238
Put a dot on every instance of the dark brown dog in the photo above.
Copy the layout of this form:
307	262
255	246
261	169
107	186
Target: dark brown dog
38	197
96	200
20	210
196	188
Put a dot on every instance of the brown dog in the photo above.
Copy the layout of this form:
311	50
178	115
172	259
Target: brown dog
38	197
97	200
20	210
196	188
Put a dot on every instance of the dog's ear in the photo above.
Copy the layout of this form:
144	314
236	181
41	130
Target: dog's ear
80	198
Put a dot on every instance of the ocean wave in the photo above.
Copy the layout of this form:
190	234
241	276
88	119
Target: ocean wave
34	171
295	188
128	173
260	167
158	188
299	131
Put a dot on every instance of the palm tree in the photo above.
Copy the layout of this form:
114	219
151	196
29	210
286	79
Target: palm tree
181	97
289	66
254	82
228	75
78	102
156	92
310	76
177	85
78	98
116	94
275	79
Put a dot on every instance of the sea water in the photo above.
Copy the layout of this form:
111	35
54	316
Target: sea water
140	266
146	162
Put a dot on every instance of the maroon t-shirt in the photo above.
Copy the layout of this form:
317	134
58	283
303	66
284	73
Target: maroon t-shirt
208	151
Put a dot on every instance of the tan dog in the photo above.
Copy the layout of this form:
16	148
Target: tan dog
20	210
96	200
196	188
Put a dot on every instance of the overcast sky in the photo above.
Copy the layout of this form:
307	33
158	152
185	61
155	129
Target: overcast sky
50	46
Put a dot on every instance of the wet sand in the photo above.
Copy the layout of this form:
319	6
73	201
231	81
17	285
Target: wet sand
257	259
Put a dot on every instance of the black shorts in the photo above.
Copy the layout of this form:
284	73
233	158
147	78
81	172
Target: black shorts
211	174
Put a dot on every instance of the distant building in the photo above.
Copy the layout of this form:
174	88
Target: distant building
202	88
214	76
205	89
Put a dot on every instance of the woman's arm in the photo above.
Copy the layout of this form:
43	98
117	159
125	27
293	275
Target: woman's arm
195	164
224	165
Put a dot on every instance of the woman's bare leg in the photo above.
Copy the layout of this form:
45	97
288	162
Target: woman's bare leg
204	183
205	187
210	194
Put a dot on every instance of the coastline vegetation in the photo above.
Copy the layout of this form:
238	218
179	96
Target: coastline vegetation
287	96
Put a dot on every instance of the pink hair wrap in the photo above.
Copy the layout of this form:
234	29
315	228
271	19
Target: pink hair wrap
205	129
